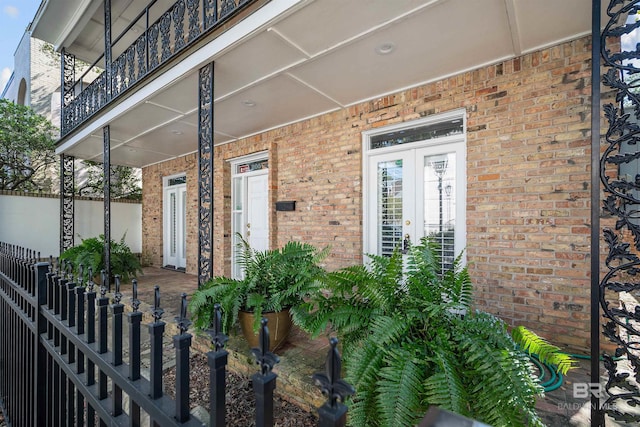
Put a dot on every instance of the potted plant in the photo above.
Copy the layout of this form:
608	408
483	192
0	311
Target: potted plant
90	254
274	281
411	339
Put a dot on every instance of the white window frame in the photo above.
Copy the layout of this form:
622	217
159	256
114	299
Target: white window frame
254	157
461	216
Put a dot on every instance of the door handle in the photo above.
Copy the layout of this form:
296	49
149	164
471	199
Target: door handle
406	244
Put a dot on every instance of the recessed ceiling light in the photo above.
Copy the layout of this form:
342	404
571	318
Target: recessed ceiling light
132	150
249	103
385	48
176	132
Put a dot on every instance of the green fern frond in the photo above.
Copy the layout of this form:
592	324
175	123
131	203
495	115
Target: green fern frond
400	388
503	387
363	409
445	388
546	352
387	330
363	365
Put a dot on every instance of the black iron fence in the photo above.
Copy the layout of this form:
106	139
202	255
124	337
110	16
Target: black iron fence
61	363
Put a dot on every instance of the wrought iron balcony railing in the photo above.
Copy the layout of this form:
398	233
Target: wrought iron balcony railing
183	24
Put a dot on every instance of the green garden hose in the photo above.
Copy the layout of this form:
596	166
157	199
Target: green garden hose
556	378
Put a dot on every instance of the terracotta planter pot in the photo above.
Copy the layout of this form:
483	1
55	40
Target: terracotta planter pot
279	325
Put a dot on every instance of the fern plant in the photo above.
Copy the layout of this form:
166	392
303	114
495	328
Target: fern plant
90	254
411	340
273	280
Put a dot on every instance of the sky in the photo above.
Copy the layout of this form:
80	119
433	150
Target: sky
15	15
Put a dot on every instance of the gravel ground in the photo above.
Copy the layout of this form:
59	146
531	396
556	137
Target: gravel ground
240	398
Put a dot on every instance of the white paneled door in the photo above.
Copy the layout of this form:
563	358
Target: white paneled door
175	215
257	228
250	207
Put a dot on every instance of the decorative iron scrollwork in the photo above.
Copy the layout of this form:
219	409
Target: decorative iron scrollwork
178	25
210	13
194	19
205	174
68	81
227	7
619	172
161	41
106	170
131	66
153	46
66	201
141	49
165	28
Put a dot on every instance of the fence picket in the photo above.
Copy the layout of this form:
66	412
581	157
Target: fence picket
49	355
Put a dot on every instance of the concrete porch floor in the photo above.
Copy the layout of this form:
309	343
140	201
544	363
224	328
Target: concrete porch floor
300	357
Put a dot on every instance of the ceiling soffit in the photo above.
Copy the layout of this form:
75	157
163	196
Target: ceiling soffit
328	54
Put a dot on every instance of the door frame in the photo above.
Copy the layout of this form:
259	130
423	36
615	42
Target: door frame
166	218
460	113
254	157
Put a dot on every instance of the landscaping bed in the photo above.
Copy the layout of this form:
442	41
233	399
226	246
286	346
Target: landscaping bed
240	398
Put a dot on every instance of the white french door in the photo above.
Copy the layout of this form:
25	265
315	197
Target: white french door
250	206
415	193
175	216
257	227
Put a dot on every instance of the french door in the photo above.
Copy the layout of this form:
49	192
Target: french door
415	193
175	216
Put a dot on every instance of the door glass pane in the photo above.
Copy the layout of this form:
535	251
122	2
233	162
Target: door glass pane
173	226
422	133
440	203
389	209
237	194
184	223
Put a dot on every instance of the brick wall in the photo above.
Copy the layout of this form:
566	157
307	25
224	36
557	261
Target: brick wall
152	215
528	190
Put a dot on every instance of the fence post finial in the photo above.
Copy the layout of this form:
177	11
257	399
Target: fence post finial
117	297
266	359
333	412
182	320
157	312
218	339
135	302
103	285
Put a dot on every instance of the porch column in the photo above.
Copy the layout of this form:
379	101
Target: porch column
107	50
205	174
66	201
67	81
106	170
597	414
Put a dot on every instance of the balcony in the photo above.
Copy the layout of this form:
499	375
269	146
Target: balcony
142	48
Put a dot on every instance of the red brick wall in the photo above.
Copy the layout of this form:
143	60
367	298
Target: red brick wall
528	184
152	219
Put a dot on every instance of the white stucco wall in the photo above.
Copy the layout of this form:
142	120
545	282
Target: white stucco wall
21	70
34	222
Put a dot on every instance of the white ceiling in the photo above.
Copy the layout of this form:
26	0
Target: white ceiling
319	57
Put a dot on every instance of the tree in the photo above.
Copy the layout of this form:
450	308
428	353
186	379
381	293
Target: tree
26	148
125	182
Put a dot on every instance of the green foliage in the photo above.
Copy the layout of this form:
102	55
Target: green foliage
273	280
411	340
26	148
546	352
124	184
90	254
